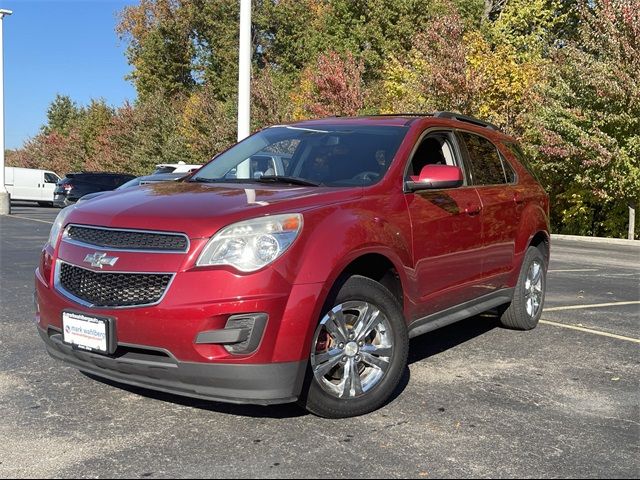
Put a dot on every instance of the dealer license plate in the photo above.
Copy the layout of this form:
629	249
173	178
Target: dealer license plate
86	332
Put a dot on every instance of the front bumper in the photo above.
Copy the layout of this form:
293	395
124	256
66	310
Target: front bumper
166	347
261	384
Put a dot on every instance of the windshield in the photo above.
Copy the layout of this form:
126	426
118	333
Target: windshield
131	183
325	155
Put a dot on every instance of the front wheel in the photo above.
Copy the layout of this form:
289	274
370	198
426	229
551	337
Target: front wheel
525	309
359	352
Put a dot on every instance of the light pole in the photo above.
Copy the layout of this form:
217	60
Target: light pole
244	82
5	201
244	71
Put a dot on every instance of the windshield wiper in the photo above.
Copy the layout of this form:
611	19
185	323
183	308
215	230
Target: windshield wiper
286	179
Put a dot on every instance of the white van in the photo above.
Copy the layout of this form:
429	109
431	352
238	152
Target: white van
30	184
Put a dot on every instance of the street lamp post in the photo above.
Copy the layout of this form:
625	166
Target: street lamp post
244	71
244	82
5	201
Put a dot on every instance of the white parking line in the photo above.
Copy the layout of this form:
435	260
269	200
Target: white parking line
574	270
589	330
27	218
593	305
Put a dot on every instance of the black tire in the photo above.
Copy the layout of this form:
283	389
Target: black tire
357	290
516	315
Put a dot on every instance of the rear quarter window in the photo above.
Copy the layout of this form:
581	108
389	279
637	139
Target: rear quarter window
486	163
518	153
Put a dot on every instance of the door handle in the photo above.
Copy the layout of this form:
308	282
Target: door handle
517	199
472	209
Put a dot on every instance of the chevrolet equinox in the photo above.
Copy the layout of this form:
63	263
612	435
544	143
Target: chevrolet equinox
297	265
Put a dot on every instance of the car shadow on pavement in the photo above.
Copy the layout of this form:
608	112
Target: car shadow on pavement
443	339
421	348
291	410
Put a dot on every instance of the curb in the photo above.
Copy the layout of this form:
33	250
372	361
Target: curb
611	241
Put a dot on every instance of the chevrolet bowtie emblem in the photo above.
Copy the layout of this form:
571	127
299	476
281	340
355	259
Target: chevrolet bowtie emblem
99	260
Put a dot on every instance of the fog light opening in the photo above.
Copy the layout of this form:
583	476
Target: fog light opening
254	324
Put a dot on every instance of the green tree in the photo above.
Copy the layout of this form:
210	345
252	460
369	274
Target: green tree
208	124
93	121
588	127
214	26
62	114
161	47
157	134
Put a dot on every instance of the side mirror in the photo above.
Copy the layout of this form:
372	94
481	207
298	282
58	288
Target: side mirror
433	177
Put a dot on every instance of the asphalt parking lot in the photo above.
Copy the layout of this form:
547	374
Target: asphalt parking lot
477	400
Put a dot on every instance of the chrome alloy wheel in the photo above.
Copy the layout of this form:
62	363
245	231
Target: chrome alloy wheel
352	349
533	289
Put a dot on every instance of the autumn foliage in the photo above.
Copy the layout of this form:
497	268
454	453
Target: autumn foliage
562	76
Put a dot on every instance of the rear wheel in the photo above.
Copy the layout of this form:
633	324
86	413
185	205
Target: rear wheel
525	309
359	352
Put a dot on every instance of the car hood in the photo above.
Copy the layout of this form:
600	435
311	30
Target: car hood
91	196
199	210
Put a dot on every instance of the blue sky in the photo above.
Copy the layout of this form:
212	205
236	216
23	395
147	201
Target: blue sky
67	47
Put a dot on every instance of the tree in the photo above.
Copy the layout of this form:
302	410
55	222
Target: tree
588	127
271	99
435	74
332	87
61	115
208	125
493	8
94	120
214	27
160	49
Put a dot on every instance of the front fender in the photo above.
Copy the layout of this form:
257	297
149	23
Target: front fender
341	235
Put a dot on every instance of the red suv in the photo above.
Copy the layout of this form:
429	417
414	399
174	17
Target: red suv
298	263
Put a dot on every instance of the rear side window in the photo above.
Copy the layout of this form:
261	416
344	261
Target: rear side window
517	152
95	179
486	163
87	178
508	170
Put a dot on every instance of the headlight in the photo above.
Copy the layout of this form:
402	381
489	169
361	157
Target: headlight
252	244
58	225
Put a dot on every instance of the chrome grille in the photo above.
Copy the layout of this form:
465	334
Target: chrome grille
128	239
112	289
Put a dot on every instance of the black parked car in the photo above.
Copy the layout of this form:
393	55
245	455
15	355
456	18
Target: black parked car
76	185
145	180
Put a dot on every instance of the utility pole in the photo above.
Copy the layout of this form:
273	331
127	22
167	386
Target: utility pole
244	82
5	201
244	71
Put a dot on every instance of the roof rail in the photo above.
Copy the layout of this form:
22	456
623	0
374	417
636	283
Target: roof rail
413	114
466	118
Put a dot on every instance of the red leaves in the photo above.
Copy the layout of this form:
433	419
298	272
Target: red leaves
337	85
